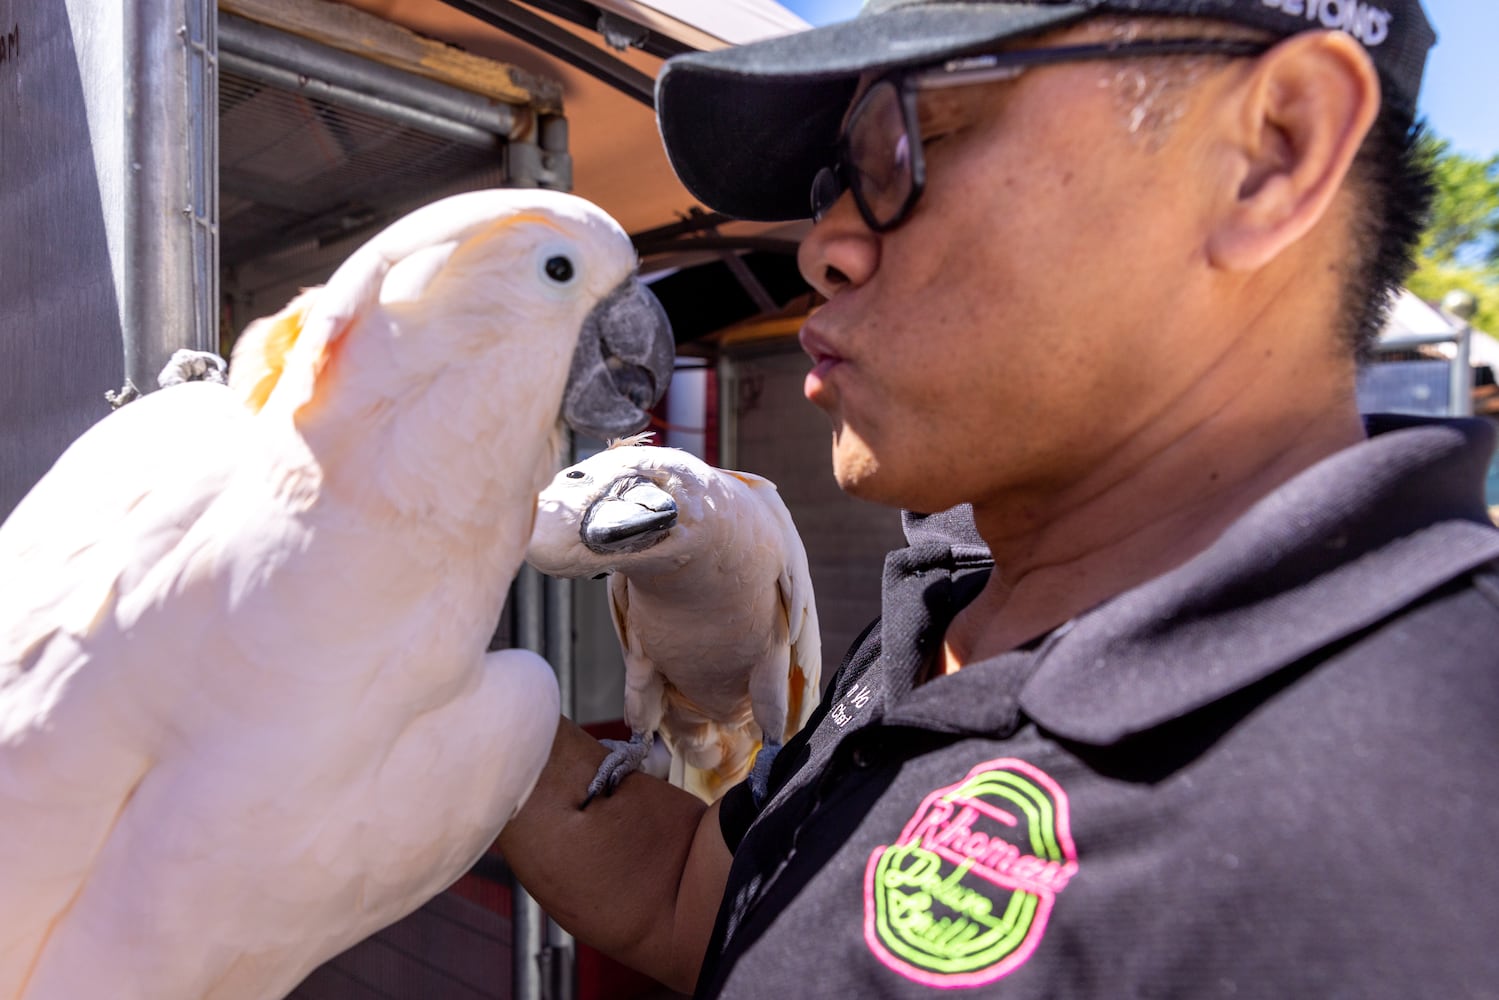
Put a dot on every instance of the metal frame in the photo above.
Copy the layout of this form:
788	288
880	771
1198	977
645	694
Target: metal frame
542	954
555	41
109	185
298	64
592	16
1460	366
699	232
170	292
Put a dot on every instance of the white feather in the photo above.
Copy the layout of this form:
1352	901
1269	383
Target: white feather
717	621
246	716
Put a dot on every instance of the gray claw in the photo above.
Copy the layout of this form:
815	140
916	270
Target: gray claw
625	758
193	366
127	393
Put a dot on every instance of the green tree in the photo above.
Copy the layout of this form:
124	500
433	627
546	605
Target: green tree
1460	249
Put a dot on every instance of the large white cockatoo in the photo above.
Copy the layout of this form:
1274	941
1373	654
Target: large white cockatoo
712	604
246	713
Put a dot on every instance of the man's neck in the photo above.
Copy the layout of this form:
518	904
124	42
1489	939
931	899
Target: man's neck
1059	555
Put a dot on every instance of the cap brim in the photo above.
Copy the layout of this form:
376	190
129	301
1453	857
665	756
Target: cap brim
747	128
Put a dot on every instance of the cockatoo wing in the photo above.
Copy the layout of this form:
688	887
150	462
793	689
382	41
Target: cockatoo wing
505	725
121	495
176	441
784	686
644	685
794	585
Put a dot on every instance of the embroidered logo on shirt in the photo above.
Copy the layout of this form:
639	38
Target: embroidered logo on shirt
962	898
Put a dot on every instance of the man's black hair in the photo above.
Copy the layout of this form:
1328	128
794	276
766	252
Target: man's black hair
1392	179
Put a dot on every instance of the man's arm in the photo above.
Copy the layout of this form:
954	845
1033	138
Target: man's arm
638	874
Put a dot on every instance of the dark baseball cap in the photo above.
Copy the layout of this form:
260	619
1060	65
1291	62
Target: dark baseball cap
747	127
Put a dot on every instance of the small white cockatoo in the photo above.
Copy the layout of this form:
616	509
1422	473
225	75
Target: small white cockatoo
246	713
712	603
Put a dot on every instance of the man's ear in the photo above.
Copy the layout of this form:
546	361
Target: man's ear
1297	123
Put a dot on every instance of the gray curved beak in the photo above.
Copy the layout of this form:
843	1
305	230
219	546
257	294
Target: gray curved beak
621	365
632	516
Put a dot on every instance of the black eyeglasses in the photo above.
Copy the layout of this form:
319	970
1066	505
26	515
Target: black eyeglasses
879	153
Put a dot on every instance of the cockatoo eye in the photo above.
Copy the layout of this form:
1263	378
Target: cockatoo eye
575	474
559	268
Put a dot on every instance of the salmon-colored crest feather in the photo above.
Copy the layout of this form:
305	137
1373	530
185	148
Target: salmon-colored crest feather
260	354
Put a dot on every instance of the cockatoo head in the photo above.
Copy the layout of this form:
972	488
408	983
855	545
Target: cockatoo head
615	505
533	289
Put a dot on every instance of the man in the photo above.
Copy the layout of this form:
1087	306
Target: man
1219	718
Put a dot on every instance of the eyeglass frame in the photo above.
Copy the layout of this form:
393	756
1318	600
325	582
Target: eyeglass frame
835	179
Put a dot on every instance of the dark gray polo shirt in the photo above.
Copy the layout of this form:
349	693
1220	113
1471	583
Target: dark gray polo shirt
1272	772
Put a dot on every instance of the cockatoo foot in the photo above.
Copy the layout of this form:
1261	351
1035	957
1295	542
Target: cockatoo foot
625	758
759	776
193	366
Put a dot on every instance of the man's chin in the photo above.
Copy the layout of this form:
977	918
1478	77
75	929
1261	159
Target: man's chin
859	476
854	475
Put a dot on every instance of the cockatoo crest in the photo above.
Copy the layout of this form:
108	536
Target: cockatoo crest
632	440
260	354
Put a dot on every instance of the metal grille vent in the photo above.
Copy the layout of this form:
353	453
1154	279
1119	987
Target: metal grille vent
297	171
316	143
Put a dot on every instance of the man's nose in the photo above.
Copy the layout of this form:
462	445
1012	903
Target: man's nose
841	251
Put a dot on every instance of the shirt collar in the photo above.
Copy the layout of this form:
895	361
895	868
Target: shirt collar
1334	550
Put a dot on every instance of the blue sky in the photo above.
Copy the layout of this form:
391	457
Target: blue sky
1460	96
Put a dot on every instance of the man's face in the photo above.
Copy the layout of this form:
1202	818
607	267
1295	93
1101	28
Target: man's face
1026	317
